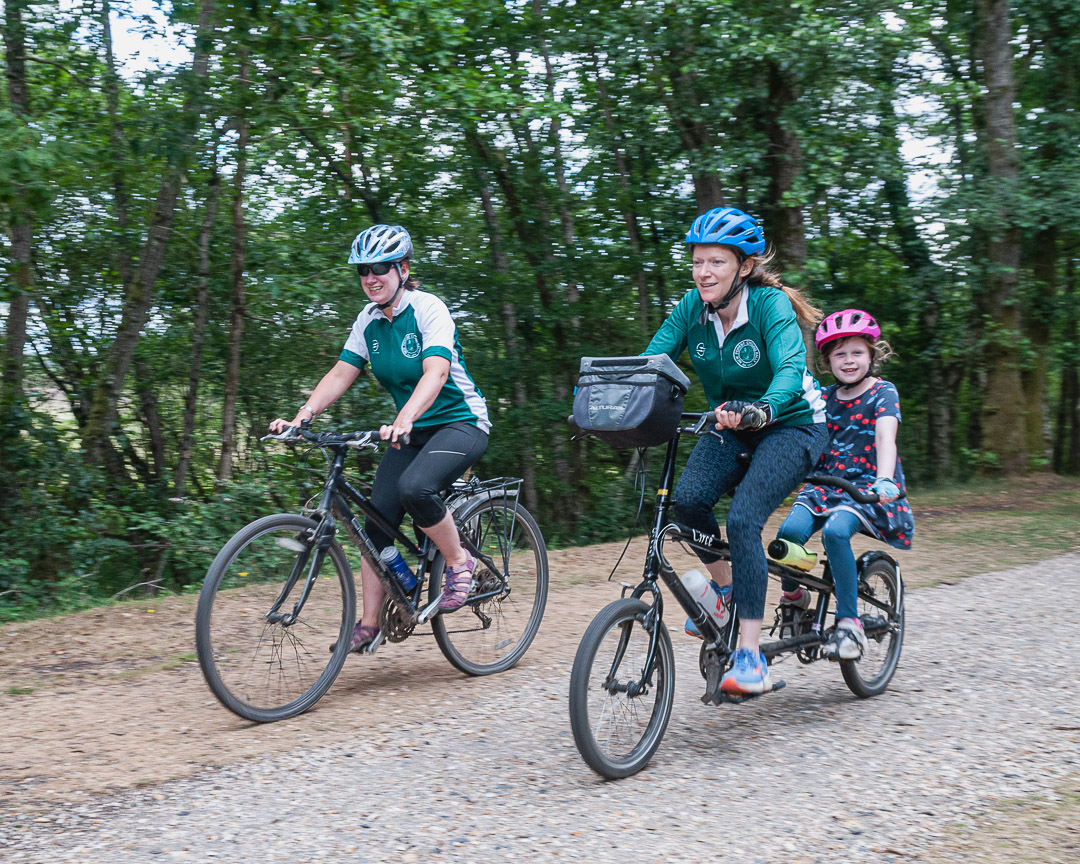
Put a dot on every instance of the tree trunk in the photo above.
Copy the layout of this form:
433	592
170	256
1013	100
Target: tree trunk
626	203
526	457
139	293
236	319
151	419
784	214
1002	435
116	149
1038	316
202	302
1067	434
926	278
684	105
21	229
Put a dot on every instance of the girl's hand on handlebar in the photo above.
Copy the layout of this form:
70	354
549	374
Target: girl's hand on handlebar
885	489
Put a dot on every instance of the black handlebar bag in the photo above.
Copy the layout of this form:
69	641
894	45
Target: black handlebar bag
630	401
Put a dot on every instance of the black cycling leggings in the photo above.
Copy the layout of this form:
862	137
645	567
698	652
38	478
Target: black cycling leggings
410	479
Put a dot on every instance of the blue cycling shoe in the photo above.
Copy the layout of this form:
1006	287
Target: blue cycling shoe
748	675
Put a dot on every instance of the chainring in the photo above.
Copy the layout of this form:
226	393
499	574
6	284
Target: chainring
395	621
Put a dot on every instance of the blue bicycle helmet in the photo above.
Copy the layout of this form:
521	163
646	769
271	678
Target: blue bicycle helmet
728	226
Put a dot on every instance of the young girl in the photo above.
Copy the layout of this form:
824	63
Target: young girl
863	415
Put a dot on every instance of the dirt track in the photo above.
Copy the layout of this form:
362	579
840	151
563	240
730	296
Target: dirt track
429	764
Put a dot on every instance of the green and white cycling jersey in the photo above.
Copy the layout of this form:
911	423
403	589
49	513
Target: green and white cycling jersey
422	327
762	357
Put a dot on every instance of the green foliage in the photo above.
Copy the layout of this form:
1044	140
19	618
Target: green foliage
547	158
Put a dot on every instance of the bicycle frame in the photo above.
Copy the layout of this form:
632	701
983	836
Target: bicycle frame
334	501
658	567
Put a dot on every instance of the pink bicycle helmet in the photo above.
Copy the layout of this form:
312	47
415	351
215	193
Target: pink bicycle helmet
850	322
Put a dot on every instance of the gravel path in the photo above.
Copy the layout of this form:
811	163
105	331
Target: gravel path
984	708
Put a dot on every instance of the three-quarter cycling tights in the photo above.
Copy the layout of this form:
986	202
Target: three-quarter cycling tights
410	479
837	529
780	458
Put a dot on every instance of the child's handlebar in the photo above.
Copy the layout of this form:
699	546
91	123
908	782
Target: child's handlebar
849	487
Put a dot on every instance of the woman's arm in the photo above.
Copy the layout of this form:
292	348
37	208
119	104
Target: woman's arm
670	339
333	384
436	371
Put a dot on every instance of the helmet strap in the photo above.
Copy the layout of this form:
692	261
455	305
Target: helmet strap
400	288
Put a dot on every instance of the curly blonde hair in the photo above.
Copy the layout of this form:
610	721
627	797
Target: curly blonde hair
880	353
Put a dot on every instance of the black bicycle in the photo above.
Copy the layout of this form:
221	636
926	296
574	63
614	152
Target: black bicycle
270	606
623	681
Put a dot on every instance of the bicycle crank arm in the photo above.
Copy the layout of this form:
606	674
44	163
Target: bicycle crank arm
428	612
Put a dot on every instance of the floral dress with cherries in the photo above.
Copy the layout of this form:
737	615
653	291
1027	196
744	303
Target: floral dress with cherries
852	454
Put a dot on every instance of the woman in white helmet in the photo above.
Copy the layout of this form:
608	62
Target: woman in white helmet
410	340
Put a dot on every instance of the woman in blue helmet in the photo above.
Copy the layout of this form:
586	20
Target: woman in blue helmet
741	327
411	342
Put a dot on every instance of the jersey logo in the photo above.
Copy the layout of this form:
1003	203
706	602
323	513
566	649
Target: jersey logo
746	353
410	346
700	350
374	346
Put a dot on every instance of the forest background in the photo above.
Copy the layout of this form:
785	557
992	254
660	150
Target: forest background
175	238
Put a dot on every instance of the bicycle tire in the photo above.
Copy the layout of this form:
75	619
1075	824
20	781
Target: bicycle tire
594	725
508	533
870	675
265	671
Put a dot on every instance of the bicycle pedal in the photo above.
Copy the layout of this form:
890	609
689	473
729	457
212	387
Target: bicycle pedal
373	645
739	698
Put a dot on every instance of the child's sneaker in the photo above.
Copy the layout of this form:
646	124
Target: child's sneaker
799	598
848	641
748	675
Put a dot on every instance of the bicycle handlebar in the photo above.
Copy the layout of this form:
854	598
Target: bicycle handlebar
849	487
352	440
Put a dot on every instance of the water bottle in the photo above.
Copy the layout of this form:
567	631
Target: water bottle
392	559
706	593
792	554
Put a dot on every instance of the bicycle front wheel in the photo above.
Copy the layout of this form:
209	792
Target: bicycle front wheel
619	705
871	674
491	634
264	659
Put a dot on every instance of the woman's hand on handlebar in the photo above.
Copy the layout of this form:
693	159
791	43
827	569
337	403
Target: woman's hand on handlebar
399	429
736	414
277	426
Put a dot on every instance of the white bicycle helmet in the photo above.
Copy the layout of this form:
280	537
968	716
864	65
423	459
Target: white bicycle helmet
381	243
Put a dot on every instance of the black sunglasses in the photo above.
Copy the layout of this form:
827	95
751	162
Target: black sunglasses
379	269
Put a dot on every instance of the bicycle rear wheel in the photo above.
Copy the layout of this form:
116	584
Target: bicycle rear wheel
491	635
619	710
260	666
870	675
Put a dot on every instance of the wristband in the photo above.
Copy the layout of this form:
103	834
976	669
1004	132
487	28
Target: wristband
309	409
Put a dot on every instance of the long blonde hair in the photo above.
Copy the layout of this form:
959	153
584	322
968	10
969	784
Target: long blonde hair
763	274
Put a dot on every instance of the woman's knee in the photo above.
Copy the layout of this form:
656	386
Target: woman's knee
744	523
421	501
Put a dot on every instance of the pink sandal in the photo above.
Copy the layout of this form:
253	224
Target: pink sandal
361	637
457	583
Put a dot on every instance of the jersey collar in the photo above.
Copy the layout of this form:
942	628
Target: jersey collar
741	317
403	301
